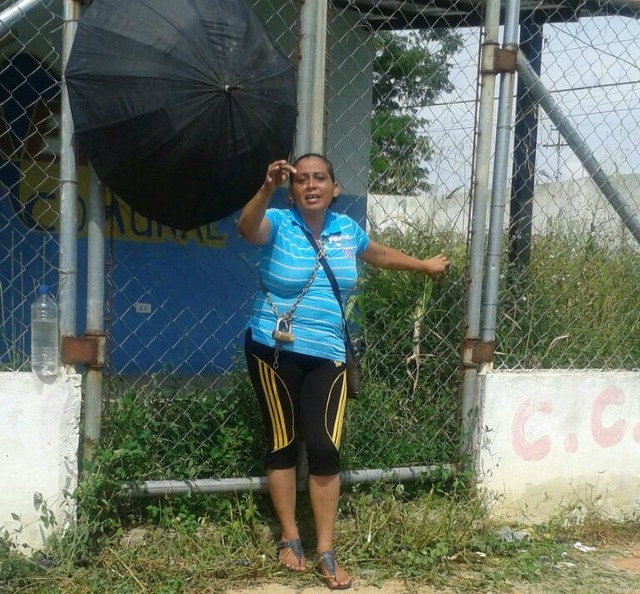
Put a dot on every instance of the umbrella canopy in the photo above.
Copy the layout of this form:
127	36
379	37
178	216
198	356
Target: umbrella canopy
180	105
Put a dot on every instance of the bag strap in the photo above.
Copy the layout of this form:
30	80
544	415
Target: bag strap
332	280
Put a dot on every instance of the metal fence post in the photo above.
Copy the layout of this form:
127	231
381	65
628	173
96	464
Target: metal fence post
500	172
95	317
524	151
311	78
479	217
14	13
578	145
68	188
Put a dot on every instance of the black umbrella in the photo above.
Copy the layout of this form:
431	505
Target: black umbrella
180	105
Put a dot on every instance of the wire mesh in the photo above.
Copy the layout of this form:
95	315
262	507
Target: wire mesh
419	70
568	299
180	307
401	99
29	106
179	303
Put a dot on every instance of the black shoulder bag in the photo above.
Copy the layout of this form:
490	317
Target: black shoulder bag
354	368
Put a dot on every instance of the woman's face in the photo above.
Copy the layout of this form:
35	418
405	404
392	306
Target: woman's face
312	188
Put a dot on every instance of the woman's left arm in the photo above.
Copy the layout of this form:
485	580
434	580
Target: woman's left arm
382	256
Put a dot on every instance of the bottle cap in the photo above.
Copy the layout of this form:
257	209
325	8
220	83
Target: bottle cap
43	290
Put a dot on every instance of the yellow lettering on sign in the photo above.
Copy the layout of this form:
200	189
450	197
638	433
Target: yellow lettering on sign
38	194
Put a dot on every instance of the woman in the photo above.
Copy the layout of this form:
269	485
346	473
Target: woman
295	346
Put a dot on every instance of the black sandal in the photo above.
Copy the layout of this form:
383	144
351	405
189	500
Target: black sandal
326	564
295	546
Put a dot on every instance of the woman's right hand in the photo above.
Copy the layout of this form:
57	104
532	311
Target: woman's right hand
252	224
278	173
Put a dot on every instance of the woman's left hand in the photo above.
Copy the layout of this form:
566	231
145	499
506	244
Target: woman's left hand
437	266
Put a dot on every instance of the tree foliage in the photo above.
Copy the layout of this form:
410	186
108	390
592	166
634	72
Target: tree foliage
411	70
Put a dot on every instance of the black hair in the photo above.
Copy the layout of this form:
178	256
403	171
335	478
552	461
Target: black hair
326	161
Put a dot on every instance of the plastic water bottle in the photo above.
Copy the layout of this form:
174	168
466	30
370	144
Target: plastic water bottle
44	334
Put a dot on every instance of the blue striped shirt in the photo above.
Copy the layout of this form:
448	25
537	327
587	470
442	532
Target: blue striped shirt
285	265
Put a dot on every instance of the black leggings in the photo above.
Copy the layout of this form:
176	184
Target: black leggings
304	398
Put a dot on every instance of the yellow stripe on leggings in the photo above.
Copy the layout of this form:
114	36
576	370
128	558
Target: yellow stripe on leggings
278	407
269	386
337	427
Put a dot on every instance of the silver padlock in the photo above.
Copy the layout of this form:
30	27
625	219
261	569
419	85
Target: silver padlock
282	333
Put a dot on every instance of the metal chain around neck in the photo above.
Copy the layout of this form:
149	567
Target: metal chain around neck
288	316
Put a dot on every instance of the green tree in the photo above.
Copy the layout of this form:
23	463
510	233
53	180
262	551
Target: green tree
411	70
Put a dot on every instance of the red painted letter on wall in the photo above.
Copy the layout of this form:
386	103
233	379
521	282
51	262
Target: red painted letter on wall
606	436
529	450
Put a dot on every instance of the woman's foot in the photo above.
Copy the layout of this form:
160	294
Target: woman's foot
333	575
290	554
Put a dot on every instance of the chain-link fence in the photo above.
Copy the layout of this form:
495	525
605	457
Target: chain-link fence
388	68
29	104
402	85
568	297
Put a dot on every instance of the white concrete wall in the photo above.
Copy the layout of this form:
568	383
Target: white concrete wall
39	440
557	438
574	205
549	440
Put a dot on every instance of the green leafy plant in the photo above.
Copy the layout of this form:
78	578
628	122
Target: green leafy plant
410	73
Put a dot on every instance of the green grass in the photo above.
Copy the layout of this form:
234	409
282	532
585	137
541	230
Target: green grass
384	531
574	307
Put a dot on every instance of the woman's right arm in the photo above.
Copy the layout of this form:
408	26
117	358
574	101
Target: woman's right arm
252	225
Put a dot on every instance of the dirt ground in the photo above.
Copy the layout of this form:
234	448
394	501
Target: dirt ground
609	570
